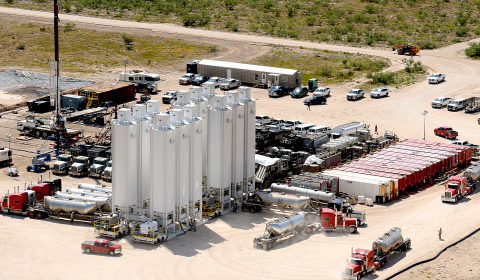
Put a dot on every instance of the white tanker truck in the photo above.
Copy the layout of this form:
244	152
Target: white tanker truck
259	199
473	174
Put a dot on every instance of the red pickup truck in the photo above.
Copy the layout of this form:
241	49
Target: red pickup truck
101	246
446	132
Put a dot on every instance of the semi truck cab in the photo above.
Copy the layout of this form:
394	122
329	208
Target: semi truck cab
455	189
62	165
98	166
361	262
79	167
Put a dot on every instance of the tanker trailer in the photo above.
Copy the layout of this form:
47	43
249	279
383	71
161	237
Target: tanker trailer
98	188
313	194
282	229
260	199
473	174
70	209
103	202
84	192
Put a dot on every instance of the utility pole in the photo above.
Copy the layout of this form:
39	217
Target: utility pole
424	114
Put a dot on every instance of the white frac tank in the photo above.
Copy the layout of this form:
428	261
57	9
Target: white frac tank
182	161
153	109
219	146
196	136
238	139
124	158
162	163
143	142
249	105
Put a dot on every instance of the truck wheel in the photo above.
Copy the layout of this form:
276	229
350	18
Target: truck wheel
351	229
244	208
28	168
435	132
45	134
308	230
88	250
32	215
37	133
112	253
39	215
269	246
252	210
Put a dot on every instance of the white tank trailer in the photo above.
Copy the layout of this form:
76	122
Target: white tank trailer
57	205
472	172
196	150
289	223
90	193
102	201
238	143
249	106
163	177
182	162
312	194
124	158
97	188
143	153
153	109
219	149
388	241
283	200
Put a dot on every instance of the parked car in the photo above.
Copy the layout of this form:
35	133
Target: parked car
322	91
457	104
379	92
316	99
216	80
355	94
291	123
230	83
278	91
144	98
276	123
262	119
441	101
101	246
299	92
186	79
446	132
169	97
319	129
199	80
436	78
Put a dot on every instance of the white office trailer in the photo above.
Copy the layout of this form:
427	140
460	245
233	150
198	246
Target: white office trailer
163	176
153	109
219	148
249	106
124	158
196	150
143	154
238	143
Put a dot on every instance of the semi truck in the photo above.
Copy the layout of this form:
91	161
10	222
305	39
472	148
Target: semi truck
62	165
37	128
107	172
455	188
79	166
261	199
363	261
96	169
5	156
333	220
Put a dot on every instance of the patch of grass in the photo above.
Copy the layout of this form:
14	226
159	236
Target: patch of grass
473	51
327	66
84	50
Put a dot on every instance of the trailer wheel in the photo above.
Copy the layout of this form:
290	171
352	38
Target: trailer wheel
45	134
88	250
308	230
37	133
112	253
39	215
32	215
269	246
244	208
252	210
28	168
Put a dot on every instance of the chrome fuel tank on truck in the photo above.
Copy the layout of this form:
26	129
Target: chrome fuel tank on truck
289	201
289	223
58	205
388	240
102	201
313	194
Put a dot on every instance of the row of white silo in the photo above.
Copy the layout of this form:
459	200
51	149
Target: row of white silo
163	159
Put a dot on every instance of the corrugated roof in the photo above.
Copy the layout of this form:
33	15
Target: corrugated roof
243	66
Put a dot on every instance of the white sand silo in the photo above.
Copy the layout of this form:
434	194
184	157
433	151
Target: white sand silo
196	150
163	170
238	143
153	109
249	105
182	162
196	96
208	88
183	98
124	158
143	160
219	149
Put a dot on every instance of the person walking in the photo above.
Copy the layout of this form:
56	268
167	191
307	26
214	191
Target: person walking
308	105
194	225
234	206
440	234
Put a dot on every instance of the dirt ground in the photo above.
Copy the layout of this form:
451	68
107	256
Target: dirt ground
222	248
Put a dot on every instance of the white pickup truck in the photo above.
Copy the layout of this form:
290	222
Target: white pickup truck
322	91
436	78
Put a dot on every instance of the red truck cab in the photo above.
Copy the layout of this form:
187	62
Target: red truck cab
41	190
101	246
16	202
446	132
361	262
334	220
456	188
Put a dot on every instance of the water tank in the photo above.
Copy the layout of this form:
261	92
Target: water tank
143	146
249	105
124	158
162	164
182	156
238	137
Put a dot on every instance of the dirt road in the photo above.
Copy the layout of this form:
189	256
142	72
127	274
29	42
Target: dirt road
223	247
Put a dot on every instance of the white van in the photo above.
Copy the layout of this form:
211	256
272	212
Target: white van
319	129
303	128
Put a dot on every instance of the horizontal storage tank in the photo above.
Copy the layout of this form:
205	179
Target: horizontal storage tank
313	194
283	200
102	201
57	205
472	172
124	158
98	188
163	166
287	224
90	193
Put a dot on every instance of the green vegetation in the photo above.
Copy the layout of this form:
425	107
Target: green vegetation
426	23
413	72
327	66
473	51
87	50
